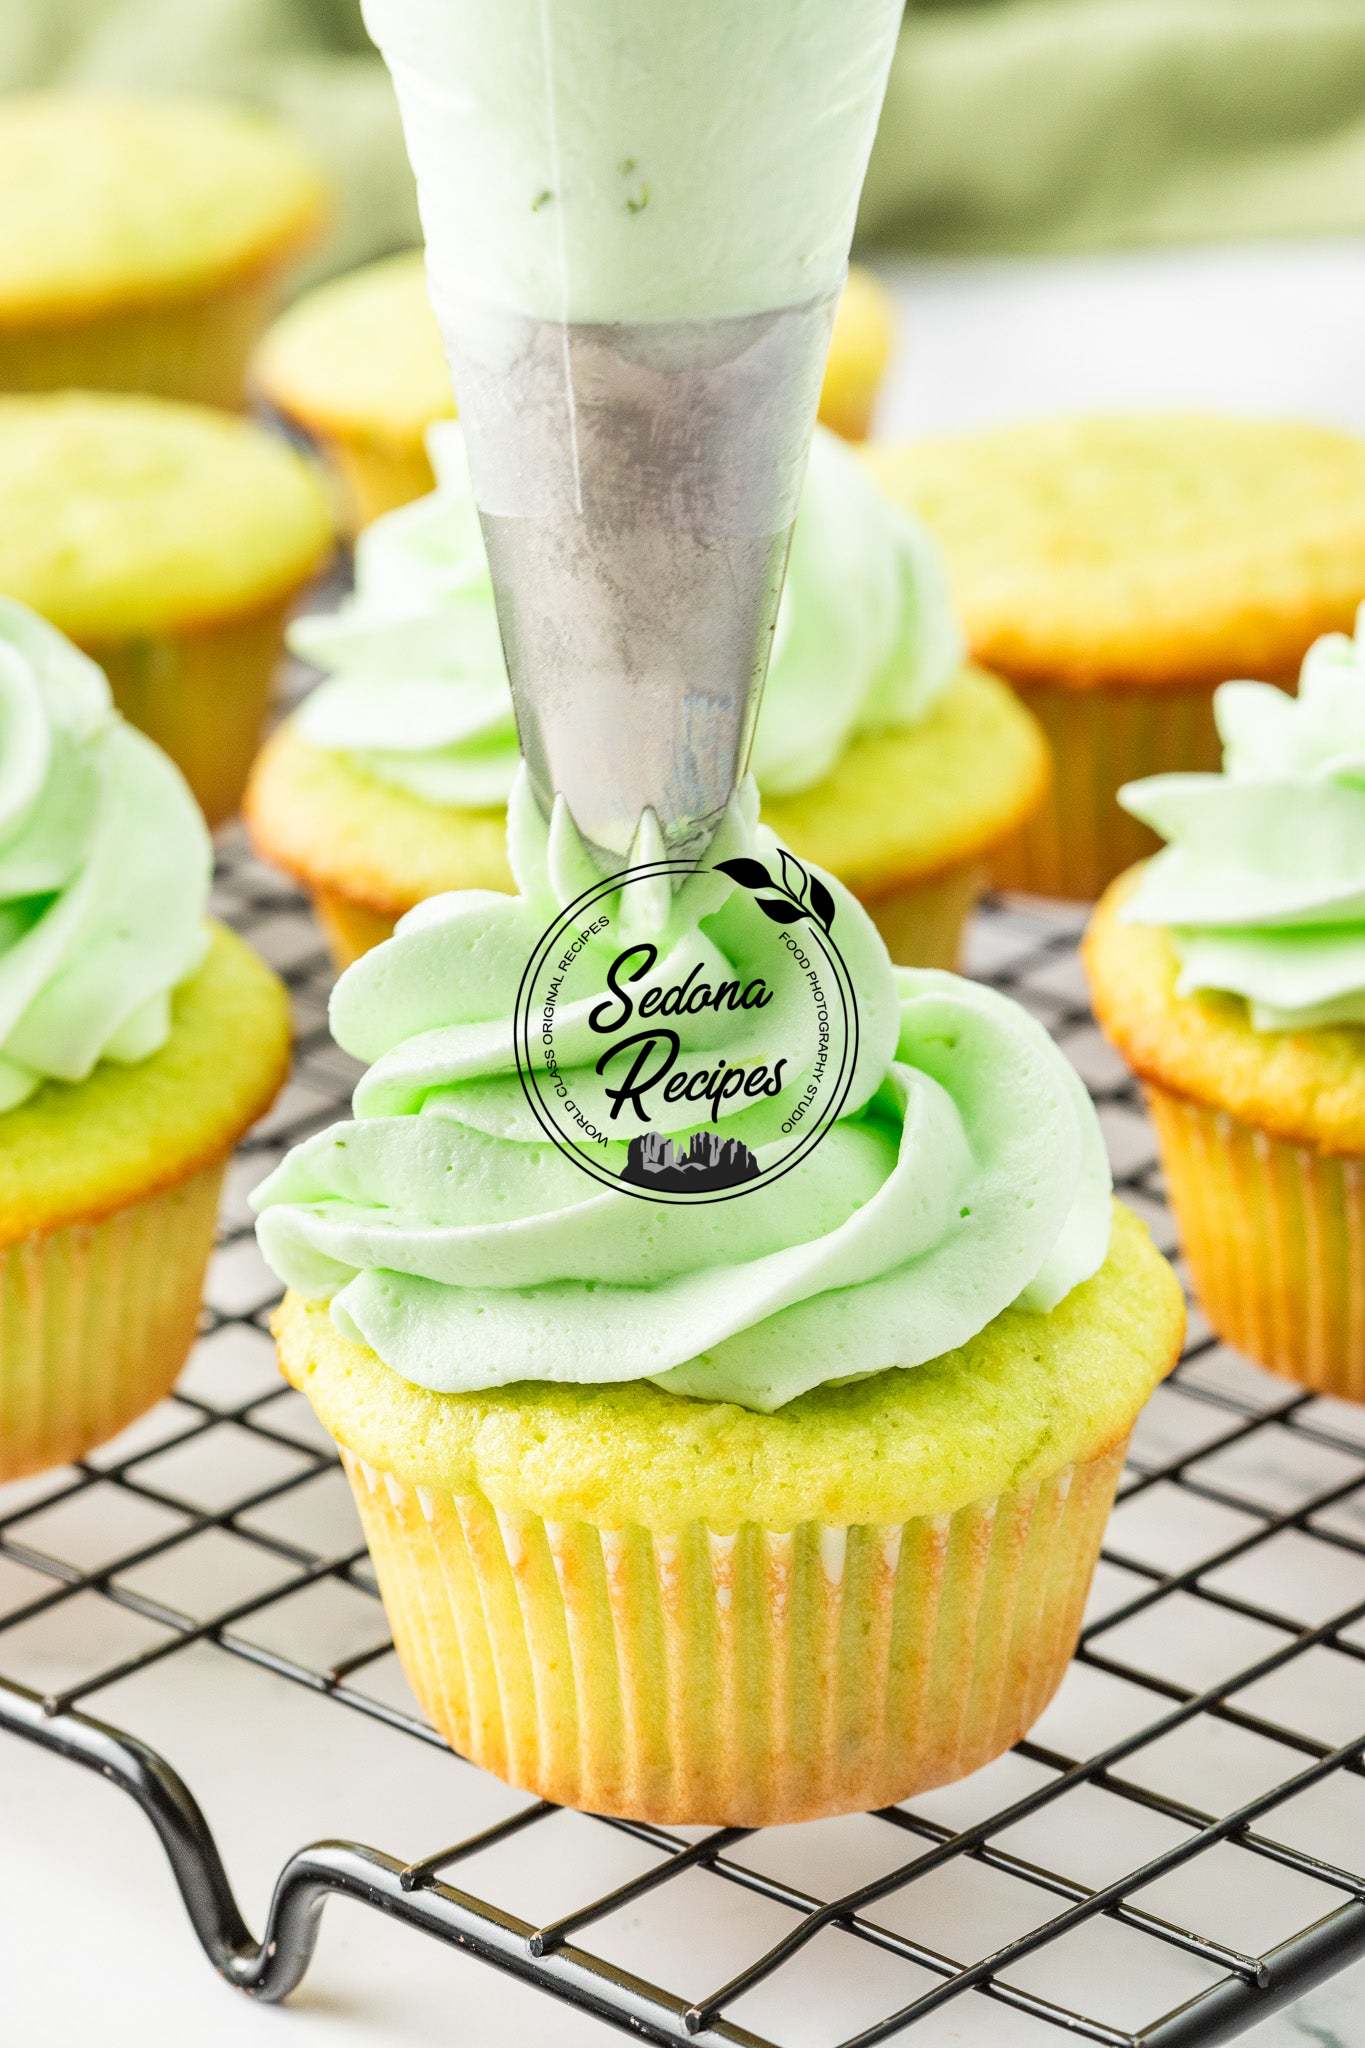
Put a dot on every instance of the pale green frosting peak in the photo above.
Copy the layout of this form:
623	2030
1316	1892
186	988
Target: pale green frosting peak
1263	880
104	869
418	694
966	1171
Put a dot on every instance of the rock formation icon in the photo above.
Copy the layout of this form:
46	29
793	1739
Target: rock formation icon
707	1161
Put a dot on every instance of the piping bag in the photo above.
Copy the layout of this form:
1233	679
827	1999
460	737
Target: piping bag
637	216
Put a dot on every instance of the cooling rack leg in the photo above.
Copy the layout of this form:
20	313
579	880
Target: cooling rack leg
268	1970
1221	2014
271	1968
1031	950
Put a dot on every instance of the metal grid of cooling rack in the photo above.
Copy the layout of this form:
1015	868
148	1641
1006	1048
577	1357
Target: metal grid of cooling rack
1176	1849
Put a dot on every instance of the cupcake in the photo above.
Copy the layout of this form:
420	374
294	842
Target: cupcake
878	753
358	365
170	542
1230	972
146	241
1116	570
859	352
740	1510
137	1043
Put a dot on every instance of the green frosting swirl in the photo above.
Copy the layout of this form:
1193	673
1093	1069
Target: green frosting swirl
866	640
966	1171
104	869
1263	881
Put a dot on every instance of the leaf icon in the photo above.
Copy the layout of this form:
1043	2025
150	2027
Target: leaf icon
794	876
822	903
780	910
751	874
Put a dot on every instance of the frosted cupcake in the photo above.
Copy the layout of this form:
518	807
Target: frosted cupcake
137	1043
146	241
733	1512
1115	571
170	542
1230	971
878	753
357	364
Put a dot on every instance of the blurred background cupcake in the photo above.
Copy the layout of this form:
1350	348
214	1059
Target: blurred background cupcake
879	754
170	541
859	352
357	365
1116	570
137	1044
1230	972
146	241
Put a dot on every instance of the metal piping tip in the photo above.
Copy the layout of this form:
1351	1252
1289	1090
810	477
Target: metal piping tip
637	486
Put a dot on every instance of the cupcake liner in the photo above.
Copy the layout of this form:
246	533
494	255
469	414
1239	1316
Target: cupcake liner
193	347
922	922
1079	840
203	695
848	403
352	928
373	477
96	1320
743	1676
1274	1233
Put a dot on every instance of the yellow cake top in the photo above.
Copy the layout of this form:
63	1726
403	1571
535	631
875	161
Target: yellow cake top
333	827
113	202
73	1152
124	516
973	769
977	762
1028	1396
362	356
1167	550
1307	1086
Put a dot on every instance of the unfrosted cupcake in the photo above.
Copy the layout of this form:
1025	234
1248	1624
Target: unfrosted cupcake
137	1043
358	365
859	352
1116	570
879	754
146	241
1230	971
170	542
777	1505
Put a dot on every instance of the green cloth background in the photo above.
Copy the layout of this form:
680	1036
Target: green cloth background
1010	124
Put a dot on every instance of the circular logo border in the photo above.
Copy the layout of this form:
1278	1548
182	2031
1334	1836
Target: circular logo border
521	1045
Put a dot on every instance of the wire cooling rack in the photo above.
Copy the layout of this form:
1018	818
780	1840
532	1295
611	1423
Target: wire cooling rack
1176	1849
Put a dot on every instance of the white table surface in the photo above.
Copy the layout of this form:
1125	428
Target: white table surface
93	1943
